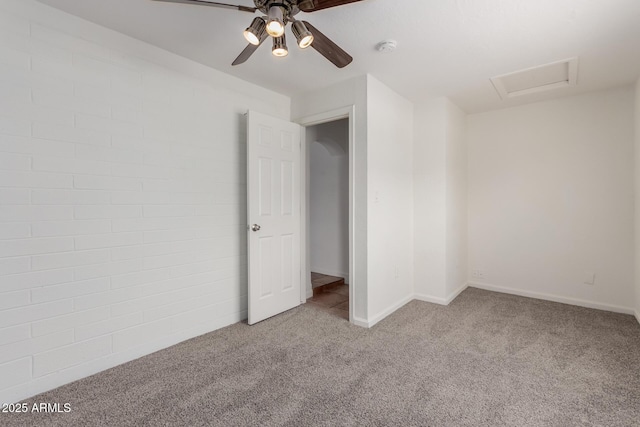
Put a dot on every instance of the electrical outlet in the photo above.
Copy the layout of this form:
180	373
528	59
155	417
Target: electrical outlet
477	273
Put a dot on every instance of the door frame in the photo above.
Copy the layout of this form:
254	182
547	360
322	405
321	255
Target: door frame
317	119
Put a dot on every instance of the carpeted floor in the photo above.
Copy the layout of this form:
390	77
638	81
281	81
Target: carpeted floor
488	359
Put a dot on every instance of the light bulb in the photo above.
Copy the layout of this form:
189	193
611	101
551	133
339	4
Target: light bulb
280	47
306	41
275	29
275	22
302	33
251	38
255	31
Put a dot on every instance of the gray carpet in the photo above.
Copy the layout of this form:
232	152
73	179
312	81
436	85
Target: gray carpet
486	360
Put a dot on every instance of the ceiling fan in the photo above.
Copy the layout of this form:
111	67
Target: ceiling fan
278	13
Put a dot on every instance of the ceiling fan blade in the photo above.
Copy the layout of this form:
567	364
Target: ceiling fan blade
328	49
325	4
213	4
248	51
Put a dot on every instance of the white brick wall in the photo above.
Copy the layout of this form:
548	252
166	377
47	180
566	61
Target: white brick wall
122	197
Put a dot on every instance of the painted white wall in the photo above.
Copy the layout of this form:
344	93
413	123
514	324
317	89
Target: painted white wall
637	197
351	93
440	197
122	192
328	144
430	217
305	226
551	197
390	201
383	186
456	201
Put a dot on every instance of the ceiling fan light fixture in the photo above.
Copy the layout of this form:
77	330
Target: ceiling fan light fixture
255	31
275	21
302	33
280	47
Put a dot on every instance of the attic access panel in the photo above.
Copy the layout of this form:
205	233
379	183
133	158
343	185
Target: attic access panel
555	75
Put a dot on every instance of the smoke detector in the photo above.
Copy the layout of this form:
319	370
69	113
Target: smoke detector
387	46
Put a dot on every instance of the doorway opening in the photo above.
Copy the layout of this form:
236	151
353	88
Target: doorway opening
332	134
327	162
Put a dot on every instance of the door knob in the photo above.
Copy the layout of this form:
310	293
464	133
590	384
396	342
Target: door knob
255	227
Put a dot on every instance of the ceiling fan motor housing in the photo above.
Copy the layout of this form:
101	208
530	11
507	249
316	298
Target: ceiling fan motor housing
289	7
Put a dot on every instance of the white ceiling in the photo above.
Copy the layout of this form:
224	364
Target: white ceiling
445	47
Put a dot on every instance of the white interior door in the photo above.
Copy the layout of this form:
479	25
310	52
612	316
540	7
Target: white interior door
273	174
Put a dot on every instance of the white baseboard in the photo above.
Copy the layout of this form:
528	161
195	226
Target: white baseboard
555	298
449	299
360	322
455	293
380	316
435	300
429	298
441	301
